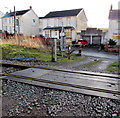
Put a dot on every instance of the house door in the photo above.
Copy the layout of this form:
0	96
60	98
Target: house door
96	40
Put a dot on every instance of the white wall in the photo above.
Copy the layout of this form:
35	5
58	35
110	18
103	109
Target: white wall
8	24
29	23
1	15
57	22
113	28
81	21
78	22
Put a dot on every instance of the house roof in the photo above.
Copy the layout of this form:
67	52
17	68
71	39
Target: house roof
114	14
1	14
58	28
64	13
17	13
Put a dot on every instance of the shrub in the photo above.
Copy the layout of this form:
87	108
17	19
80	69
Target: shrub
112	42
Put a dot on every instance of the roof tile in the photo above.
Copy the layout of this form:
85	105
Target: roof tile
17	13
114	14
64	13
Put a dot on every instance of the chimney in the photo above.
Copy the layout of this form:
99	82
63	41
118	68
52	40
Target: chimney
111	7
30	7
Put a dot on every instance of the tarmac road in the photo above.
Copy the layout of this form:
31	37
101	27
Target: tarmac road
94	52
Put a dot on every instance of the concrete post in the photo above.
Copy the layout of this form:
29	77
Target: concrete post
54	50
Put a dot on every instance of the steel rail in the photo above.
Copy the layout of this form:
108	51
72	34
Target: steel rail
64	70
61	83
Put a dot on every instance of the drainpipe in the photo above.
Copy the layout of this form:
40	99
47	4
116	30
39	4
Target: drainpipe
14	20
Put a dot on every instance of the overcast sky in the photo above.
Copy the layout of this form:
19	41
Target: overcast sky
96	10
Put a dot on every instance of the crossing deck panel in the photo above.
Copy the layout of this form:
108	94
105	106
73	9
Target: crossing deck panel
105	83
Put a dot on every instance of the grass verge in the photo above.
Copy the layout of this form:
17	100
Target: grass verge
72	59
114	67
90	64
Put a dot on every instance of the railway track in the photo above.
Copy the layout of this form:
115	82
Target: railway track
96	84
61	70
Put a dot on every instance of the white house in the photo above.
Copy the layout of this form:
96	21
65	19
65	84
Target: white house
1	15
28	22
114	25
71	21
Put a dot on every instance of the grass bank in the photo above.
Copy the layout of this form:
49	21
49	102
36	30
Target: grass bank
10	51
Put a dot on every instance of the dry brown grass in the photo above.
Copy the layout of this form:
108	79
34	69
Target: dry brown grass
25	41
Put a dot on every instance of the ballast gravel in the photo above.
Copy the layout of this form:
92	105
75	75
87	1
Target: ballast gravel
19	99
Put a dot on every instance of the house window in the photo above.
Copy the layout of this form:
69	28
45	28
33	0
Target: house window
68	34
55	33
48	23
5	28
60	22
5	21
12	20
40	29
47	34
55	22
10	29
33	20
68	21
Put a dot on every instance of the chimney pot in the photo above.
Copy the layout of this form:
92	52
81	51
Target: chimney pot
30	7
111	7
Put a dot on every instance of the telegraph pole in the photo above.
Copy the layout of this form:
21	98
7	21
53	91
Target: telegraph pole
18	24
14	20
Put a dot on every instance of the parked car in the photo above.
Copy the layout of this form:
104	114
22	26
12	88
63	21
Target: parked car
82	42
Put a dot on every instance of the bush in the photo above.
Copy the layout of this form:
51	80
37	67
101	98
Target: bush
112	42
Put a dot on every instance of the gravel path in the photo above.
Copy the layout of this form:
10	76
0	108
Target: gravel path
98	67
26	100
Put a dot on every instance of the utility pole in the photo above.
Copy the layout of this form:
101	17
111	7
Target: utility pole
62	39
18	25
14	20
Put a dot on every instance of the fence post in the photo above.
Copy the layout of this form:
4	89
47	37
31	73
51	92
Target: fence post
68	51
80	49
54	50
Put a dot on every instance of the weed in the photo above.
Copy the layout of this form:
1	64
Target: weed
114	67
